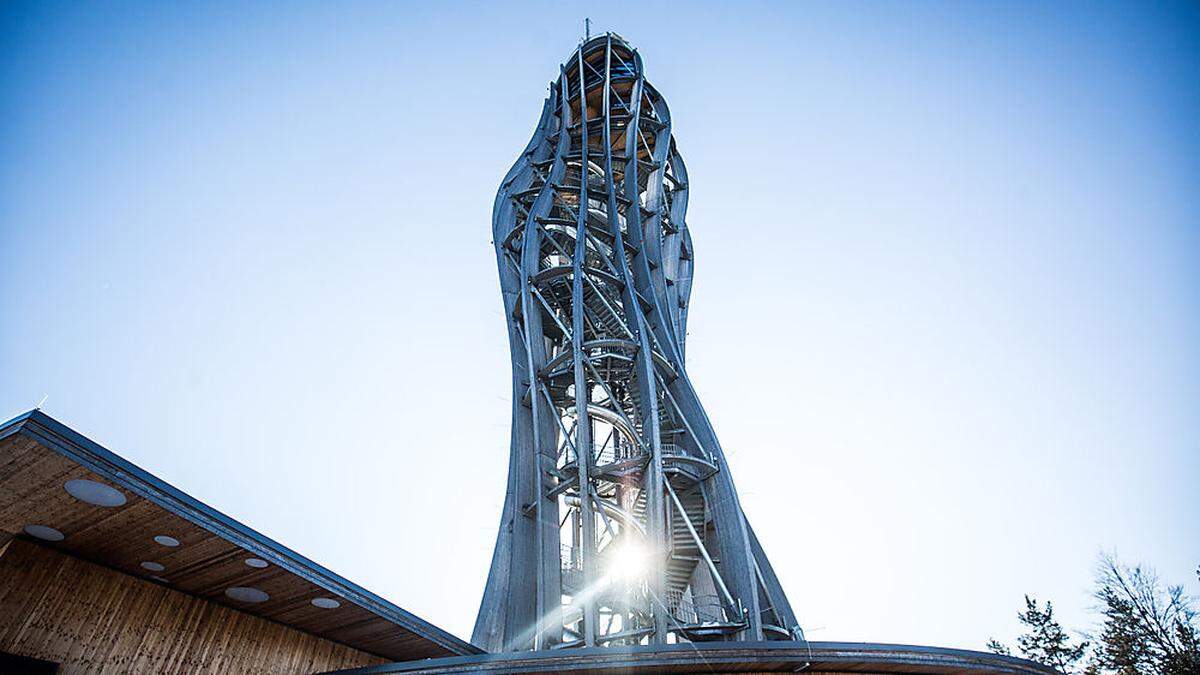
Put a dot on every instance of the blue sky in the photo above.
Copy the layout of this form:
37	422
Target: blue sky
945	319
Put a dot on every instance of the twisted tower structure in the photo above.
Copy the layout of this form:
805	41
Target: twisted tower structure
621	524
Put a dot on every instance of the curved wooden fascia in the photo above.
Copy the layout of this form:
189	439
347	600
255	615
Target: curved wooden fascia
519	178
669	248
686	252
489	629
676	240
649	264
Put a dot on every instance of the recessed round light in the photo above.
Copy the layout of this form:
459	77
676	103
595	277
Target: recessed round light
167	541
44	532
153	566
326	603
96	494
256	563
159	579
246	594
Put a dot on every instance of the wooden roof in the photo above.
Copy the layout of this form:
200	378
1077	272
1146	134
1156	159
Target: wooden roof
39	455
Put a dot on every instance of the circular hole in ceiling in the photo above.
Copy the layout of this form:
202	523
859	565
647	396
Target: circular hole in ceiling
246	594
325	603
167	541
153	566
256	563
96	494
44	532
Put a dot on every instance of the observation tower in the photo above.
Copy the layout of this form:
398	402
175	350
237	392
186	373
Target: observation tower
622	546
621	525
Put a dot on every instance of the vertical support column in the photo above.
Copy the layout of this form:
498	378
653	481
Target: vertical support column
647	387
583	426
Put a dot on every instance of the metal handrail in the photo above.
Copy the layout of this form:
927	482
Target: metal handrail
697	609
616	452
570	559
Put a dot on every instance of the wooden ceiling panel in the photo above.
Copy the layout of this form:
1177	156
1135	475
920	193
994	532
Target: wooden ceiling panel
38	455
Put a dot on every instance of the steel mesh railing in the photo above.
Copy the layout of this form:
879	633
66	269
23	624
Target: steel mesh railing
695	609
571	558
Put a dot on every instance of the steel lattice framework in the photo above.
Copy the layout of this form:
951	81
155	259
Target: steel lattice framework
621	524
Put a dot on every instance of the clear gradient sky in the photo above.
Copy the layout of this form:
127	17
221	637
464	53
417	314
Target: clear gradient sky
946	317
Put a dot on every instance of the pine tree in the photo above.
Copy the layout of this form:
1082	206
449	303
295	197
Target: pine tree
997	647
1044	641
1147	629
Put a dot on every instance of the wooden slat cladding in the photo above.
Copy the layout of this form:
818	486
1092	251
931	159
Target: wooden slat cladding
92	619
39	455
203	564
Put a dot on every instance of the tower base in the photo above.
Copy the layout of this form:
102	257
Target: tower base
727	657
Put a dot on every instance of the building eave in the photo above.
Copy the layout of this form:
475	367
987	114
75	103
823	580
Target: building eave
62	440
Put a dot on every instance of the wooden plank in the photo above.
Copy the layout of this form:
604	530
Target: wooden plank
91	619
